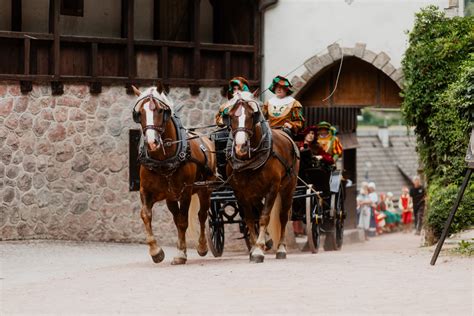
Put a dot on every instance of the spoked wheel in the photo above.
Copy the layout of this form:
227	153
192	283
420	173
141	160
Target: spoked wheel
313	231
335	230
215	229
340	219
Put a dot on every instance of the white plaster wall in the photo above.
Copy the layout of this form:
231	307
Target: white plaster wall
35	16
5	15
143	19
101	18
296	30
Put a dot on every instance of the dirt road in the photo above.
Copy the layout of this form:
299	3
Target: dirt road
388	275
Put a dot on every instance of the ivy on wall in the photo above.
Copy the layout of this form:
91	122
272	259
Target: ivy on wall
439	101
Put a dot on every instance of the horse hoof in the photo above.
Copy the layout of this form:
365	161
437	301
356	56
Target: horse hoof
281	255
178	261
257	258
202	253
159	256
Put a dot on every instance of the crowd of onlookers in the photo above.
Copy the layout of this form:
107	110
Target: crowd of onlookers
379	213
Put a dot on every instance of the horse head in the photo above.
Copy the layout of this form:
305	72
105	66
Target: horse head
152	110
244	114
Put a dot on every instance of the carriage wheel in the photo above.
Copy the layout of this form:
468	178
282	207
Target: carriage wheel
335	233
340	218
312	225
215	230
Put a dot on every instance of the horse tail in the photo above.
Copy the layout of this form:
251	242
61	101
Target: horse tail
274	226
193	220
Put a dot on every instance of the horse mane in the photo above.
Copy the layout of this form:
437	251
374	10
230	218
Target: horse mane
162	97
247	97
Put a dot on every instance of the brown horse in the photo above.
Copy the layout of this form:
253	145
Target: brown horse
171	163
263	165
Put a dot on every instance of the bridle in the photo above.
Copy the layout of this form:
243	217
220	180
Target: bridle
256	119
153	101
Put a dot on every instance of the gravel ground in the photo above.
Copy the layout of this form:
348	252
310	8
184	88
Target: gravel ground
389	274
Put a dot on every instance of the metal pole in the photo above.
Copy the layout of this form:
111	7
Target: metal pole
451	216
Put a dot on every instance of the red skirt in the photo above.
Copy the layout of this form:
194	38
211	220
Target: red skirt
406	217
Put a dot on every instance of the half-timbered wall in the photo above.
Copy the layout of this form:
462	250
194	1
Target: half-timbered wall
176	42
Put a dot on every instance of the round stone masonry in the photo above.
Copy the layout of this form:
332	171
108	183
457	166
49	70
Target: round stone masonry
64	162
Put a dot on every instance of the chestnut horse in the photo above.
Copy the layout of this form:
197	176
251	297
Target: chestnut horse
171	161
263	165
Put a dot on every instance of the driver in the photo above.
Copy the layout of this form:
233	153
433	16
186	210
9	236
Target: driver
235	84
283	111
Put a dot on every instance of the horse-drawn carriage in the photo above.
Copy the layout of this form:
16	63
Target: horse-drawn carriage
318	201
262	163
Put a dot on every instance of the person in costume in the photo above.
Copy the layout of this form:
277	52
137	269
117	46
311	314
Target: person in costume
283	111
310	151
328	140
235	84
310	142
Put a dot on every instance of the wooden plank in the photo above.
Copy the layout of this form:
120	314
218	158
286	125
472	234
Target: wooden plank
33	35
93	39
26	56
228	47
124	19
143	42
16	15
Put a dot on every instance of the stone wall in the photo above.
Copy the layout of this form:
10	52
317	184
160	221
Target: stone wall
64	163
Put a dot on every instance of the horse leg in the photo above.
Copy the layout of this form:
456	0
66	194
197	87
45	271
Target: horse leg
257	255
284	215
180	217
155	251
204	203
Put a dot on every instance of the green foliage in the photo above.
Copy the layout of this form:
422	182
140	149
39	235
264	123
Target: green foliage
438	46
441	200
465	248
438	100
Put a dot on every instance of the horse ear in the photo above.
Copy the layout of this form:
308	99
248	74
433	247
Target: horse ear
136	91
256	93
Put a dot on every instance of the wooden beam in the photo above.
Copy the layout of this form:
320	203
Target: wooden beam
54	7
164	62
227	65
197	48
16	16
130	39
156	19
256	41
26	56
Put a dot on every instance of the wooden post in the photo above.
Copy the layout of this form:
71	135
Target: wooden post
16	16
95	86
130	6
197	49
54	9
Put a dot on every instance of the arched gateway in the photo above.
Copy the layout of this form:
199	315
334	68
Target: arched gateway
366	79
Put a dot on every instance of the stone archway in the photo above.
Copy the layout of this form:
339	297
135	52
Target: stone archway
317	63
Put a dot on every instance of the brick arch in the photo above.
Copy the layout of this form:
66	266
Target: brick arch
317	63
